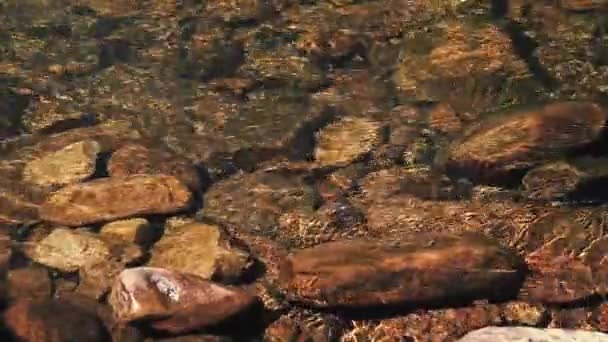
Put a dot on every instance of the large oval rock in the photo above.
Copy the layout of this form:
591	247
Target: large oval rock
112	199
425	269
174	302
505	145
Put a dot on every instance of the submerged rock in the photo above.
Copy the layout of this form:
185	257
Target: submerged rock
427	268
174	302
523	334
136	230
552	181
347	139
116	198
32	283
69	250
72	164
132	159
200	249
53	321
503	146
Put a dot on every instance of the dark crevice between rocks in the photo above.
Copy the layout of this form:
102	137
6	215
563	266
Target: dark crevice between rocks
586	302
12	107
356	58
101	165
400	309
219	165
499	8
302	145
113	51
230	329
86	120
523	45
247	159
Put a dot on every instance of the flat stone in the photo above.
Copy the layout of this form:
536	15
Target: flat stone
72	164
53	321
69	250
174	302
135	230
506	144
346	140
523	334
200	249
135	158
110	199
427	268
110	135
552	181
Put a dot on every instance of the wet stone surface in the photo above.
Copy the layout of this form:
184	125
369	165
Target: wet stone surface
368	273
116	198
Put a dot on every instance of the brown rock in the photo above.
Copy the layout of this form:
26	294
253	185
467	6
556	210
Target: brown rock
134	159
174	302
346	140
31	283
136	230
53	321
69	250
443	118
200	249
115	198
109	135
552	181
72	164
503	145
426	268
96	278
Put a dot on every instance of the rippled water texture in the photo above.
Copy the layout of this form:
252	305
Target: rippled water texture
284	170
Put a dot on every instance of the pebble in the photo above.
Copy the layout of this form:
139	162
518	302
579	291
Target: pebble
344	141
109	199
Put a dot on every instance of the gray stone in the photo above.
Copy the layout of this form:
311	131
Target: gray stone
526	334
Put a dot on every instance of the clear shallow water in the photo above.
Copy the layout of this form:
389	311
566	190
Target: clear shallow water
310	121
